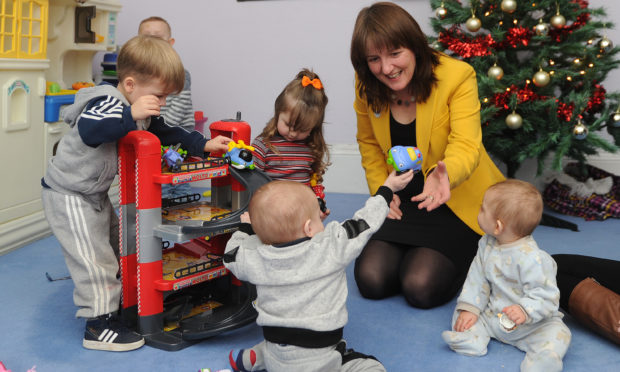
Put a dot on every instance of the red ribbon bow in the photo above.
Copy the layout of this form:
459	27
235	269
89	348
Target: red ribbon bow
316	83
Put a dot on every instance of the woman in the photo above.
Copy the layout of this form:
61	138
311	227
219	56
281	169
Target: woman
589	291
410	94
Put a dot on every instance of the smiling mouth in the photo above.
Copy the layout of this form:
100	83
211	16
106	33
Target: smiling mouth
394	76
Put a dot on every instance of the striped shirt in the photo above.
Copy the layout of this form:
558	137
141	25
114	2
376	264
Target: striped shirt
293	162
179	110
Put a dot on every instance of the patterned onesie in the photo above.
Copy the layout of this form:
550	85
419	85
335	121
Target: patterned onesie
503	275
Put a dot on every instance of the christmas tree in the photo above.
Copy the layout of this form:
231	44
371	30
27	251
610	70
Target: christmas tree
540	66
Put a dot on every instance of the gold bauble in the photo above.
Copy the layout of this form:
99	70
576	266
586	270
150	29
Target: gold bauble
580	131
541	78
473	24
541	29
441	12
578	62
605	44
514	121
558	21
495	72
615	119
509	6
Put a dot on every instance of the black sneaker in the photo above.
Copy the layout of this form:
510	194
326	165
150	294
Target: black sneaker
106	332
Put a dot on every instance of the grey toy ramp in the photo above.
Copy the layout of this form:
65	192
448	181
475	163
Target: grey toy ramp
251	180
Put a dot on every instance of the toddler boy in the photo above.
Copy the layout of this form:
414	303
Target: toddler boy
77	180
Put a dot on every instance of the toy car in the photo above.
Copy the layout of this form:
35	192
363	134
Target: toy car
173	156
240	155
403	158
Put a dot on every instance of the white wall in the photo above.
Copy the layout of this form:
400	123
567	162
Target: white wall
242	54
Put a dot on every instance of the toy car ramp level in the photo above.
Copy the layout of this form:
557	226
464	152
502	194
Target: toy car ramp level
222	318
251	180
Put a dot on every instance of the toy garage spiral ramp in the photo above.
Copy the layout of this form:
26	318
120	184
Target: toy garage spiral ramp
176	294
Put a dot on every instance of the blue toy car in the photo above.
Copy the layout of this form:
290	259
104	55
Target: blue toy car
403	158
240	155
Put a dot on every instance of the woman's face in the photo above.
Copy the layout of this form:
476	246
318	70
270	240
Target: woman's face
393	67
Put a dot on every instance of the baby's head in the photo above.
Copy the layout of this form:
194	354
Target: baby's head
511	208
283	211
156	27
149	65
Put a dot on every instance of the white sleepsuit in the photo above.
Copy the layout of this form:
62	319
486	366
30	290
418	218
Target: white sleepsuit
503	275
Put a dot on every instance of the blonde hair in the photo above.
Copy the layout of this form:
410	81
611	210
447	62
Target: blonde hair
307	108
146	57
518	204
156	19
279	209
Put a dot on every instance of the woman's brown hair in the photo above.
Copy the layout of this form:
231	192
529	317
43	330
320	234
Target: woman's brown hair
386	25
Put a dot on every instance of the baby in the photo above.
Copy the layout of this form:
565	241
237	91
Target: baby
510	292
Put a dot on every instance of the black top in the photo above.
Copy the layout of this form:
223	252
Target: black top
439	229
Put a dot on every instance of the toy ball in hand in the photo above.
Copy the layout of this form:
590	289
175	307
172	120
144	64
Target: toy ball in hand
403	158
240	155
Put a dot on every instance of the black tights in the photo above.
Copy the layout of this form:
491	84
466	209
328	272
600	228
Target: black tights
425	276
573	268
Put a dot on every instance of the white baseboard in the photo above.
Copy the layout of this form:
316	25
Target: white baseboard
346	174
25	230
22	231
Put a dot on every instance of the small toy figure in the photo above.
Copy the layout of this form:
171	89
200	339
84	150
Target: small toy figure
319	191
172	156
507	324
240	155
403	158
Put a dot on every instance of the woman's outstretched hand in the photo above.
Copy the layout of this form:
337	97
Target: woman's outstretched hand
436	189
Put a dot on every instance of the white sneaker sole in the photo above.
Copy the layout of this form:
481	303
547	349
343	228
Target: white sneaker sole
107	346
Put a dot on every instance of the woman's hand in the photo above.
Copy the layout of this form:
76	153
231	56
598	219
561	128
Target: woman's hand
395	212
436	189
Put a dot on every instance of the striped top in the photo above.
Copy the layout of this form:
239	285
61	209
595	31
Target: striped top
179	110
293	163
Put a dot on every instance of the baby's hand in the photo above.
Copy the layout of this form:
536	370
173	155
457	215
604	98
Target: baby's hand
145	107
398	182
245	217
324	215
515	313
465	320
219	143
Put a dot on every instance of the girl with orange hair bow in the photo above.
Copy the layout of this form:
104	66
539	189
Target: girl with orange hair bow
292	146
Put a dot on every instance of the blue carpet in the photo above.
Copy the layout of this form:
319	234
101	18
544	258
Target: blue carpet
39	328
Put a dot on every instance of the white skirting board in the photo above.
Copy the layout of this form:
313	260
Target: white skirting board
25	230
346	174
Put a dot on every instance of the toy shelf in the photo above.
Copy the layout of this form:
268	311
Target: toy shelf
178	295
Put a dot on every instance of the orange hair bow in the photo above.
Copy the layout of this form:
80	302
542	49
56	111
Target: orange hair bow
316	83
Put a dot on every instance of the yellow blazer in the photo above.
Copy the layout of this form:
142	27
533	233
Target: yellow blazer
447	128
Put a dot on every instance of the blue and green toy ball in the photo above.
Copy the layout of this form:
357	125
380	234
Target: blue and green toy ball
404	158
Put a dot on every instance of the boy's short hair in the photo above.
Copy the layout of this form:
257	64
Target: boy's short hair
518	204
145	58
279	209
156	19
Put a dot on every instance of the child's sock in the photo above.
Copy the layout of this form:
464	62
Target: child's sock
245	360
